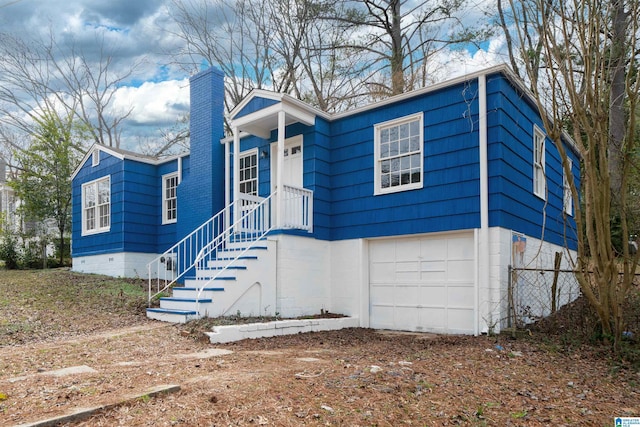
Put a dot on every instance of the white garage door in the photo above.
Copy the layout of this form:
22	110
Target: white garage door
422	284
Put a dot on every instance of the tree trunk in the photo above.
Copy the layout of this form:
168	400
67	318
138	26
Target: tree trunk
397	55
616	98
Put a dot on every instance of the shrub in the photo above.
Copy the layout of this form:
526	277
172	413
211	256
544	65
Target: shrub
9	252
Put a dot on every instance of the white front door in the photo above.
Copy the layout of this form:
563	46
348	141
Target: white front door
291	172
292	167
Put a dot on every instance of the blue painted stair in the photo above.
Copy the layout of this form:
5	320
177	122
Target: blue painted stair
191	301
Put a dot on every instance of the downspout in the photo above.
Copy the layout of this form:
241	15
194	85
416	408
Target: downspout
483	246
179	170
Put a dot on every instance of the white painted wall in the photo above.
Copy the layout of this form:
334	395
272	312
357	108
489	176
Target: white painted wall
303	275
349	280
122	264
314	275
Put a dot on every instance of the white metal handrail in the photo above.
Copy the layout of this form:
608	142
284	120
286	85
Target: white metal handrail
297	208
250	228
176	261
253	223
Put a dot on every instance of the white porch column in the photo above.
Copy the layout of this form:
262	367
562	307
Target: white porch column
236	173
227	180
280	159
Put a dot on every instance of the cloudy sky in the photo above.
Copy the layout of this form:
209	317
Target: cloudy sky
137	32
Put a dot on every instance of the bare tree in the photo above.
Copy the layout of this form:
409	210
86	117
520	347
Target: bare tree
42	75
527	50
590	81
280	45
400	35
223	33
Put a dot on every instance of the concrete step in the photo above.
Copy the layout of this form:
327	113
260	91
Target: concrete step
185	304
223	261
235	248
172	316
193	291
206	281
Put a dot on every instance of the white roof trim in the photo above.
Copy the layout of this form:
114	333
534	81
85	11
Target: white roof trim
263	121
501	68
123	155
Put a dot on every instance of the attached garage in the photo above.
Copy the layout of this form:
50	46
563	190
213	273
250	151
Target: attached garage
423	283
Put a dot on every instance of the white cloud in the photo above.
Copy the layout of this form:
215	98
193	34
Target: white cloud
157	104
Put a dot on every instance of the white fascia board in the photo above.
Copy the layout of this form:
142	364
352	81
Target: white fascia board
229	139
269	117
255	93
124	155
242	122
303	116
419	92
257	131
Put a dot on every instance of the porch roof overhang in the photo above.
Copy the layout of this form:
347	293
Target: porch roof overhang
261	122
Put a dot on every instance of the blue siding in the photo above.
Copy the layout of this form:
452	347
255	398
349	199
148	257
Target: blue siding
338	166
106	242
141	212
513	205
256	104
449	199
315	169
136	207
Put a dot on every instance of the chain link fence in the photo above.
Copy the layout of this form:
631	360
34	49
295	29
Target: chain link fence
536	293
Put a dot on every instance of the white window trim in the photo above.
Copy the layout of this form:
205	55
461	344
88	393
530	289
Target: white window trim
165	177
96	230
95	157
539	167
567	197
247	153
378	190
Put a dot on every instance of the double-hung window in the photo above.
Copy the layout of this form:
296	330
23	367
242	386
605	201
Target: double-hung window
249	172
170	198
399	154
96	206
539	181
567	199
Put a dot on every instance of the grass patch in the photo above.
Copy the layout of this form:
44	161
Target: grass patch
38	303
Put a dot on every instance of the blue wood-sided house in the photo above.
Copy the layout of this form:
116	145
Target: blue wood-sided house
402	213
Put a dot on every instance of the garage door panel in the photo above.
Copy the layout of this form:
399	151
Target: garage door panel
460	297
432	319
406	295
461	271
382	250
459	248
407	249
384	316
383	272
440	266
406	316
407	271
433	296
460	321
432	249
381	295
423	284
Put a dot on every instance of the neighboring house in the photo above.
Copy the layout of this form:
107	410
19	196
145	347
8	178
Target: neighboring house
13	223
10	221
406	213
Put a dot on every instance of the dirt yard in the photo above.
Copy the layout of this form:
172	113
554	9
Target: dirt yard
353	377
